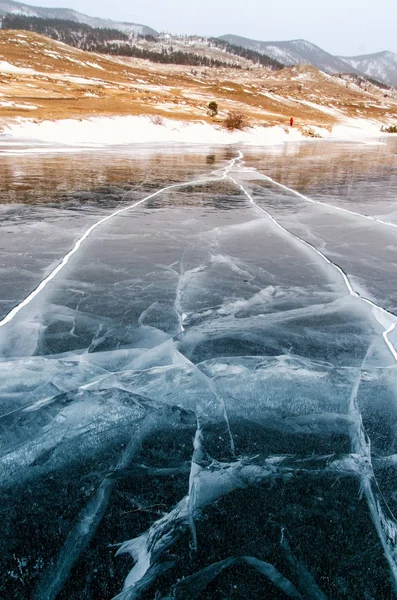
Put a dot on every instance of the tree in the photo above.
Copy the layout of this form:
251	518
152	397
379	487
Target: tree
212	109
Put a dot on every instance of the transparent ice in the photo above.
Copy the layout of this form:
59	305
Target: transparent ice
198	390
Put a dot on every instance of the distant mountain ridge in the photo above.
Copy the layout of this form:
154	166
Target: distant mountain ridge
13	7
381	65
294	52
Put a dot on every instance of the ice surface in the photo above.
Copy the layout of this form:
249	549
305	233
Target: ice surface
206	387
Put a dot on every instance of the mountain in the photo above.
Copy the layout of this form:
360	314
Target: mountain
12	7
381	65
294	52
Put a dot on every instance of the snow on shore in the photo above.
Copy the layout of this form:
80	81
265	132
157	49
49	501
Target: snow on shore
100	131
134	130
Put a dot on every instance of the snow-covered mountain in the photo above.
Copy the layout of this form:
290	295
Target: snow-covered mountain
295	52
381	66
12	7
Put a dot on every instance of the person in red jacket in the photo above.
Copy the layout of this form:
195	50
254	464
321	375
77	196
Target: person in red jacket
291	121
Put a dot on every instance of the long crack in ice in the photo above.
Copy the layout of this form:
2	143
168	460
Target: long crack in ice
312	201
384	521
209	479
384	317
43	283
206	484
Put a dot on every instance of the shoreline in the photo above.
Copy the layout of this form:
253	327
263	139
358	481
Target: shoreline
129	130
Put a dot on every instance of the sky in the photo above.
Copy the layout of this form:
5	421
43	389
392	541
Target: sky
345	27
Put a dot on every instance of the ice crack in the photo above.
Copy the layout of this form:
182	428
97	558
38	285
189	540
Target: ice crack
44	282
382	518
384	317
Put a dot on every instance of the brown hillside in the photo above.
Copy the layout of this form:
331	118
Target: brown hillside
44	79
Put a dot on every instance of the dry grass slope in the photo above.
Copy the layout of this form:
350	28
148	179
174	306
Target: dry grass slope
44	79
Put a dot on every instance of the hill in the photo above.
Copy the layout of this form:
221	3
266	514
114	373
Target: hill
110	41
75	34
45	79
13	7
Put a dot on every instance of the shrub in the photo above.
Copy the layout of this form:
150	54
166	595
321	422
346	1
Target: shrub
157	120
212	109
390	129
235	120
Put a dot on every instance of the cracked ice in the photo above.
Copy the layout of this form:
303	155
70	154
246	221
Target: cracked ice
203	383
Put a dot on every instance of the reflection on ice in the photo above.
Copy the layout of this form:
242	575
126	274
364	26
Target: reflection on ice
202	389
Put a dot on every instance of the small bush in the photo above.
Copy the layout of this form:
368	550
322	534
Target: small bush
235	120
212	109
157	120
390	129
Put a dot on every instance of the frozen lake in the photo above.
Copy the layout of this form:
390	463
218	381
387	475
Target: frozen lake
198	372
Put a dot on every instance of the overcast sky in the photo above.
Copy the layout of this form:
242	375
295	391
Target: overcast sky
339	26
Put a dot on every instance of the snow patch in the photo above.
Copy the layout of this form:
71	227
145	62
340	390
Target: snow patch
6	67
10	104
129	130
102	131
